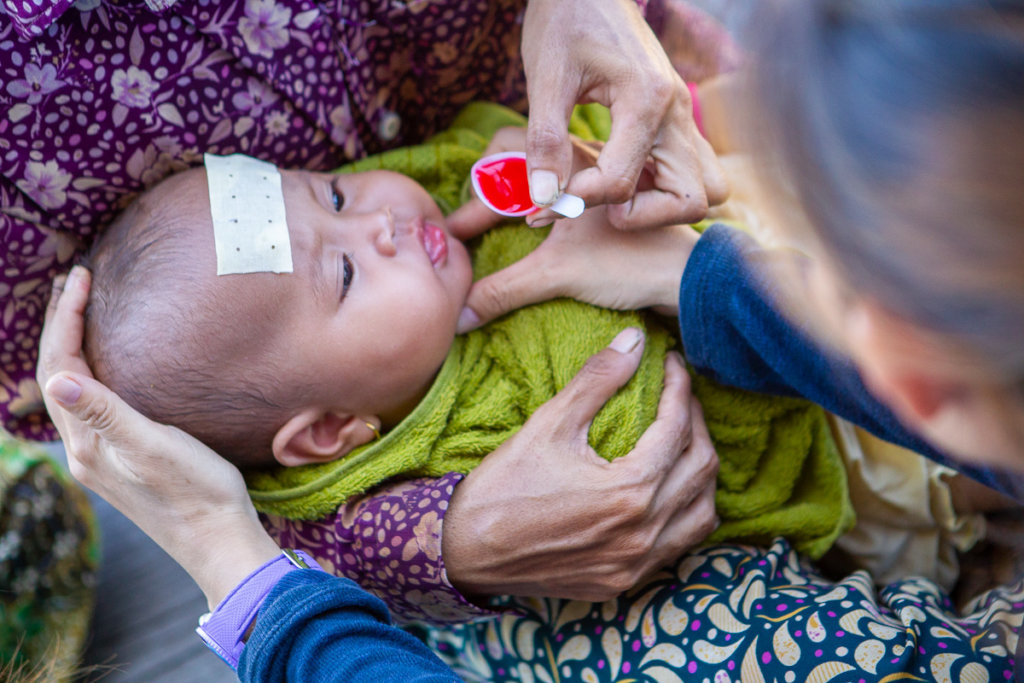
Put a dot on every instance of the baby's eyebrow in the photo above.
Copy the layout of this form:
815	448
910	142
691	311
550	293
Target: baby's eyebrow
317	269
317	276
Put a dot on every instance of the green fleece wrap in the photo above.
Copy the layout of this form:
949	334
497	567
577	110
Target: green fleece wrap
780	472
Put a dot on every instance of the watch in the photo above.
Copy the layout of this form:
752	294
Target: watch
224	629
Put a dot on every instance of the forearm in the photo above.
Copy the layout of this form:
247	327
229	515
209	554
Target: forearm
733	331
390	544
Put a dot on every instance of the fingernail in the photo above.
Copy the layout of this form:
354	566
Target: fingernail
626	340
539	222
75	276
468	320
64	390
543	187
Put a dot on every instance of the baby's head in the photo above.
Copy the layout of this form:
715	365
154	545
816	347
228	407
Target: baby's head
266	366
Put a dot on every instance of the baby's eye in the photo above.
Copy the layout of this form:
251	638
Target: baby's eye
338	199
348	269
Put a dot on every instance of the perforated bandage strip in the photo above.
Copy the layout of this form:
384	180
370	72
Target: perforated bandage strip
249	225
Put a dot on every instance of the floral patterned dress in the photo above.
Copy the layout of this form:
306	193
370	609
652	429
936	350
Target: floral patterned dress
739	613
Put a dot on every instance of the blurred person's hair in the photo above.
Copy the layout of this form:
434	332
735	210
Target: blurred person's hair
900	127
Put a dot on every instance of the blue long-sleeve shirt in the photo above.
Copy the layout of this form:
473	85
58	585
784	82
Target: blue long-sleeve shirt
317	627
734	332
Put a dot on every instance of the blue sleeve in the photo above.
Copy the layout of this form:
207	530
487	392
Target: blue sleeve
318	627
732	332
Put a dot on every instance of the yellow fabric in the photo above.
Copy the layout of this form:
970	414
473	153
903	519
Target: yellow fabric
906	522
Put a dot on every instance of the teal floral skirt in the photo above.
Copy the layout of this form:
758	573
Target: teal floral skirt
740	613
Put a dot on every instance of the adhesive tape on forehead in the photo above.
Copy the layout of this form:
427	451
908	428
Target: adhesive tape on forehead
249	226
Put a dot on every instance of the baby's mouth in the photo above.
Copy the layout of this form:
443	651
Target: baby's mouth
435	243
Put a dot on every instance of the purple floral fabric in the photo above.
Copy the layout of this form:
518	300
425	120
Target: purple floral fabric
100	99
390	544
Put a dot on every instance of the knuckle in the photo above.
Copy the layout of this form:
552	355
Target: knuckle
99	417
633	502
709	463
695	209
614	582
599	365
620	188
663	91
707	524
706	515
716	188
491	299
543	139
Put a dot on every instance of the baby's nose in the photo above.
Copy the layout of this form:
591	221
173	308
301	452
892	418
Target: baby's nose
383	231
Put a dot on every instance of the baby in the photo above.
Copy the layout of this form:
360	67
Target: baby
307	369
300	367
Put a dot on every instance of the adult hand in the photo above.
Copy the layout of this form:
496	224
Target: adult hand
184	496
545	515
588	260
603	51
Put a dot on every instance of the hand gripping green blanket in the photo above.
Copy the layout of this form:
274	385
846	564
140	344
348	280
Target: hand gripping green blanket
780	471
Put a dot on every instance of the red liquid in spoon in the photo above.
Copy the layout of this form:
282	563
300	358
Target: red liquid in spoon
504	184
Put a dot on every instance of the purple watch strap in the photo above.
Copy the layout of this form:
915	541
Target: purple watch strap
223	629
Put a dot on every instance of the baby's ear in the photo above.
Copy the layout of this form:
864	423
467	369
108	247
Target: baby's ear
315	435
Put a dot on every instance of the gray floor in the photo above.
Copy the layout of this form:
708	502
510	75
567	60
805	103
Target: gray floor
143	628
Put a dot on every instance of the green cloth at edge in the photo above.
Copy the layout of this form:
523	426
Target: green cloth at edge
780	472
49	561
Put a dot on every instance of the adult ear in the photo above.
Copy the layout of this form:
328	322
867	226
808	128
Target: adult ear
905	366
316	435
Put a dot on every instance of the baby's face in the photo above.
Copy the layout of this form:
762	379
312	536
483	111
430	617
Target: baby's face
369	312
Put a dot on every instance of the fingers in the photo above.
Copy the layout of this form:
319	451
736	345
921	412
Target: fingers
64	313
690	526
525	282
613	180
60	345
58	289
678	191
601	376
659	448
716	186
690	486
548	148
471	219
698	466
685	175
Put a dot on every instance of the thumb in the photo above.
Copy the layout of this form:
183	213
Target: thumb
472	219
548	148
94	407
524	282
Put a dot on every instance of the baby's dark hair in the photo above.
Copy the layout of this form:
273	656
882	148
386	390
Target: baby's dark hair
901	125
154	337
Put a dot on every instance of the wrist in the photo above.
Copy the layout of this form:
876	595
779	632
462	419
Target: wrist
226	628
223	560
684	240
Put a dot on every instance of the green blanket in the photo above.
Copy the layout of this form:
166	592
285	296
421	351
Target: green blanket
780	472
